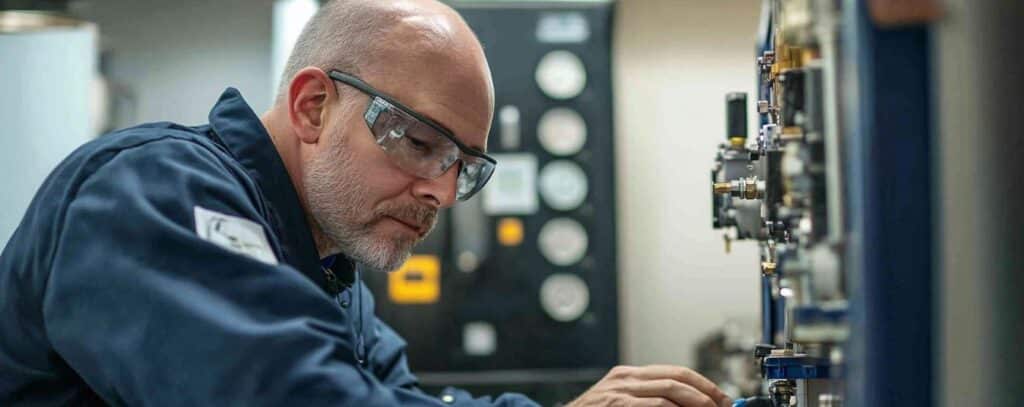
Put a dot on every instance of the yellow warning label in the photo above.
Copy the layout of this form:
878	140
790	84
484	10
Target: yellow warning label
510	232
418	281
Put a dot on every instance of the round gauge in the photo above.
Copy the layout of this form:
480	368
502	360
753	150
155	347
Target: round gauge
479	339
563	241
563	185
562	131
561	75
564	297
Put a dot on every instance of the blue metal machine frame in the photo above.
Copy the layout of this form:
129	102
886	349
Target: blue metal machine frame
889	253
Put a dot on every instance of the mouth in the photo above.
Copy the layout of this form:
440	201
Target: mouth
419	230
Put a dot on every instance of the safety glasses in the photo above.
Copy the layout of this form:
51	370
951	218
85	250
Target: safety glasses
417	144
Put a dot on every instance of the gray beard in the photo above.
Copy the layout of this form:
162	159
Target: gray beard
335	195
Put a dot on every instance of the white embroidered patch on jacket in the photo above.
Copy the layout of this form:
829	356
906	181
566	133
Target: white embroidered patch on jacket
237	234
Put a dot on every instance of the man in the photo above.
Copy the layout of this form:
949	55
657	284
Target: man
218	265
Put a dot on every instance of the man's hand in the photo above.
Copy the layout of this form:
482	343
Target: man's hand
656	385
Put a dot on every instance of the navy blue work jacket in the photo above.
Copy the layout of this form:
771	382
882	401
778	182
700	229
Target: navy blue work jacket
173	265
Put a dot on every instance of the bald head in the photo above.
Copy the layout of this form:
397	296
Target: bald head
356	36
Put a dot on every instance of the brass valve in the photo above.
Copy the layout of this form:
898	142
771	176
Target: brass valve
745	188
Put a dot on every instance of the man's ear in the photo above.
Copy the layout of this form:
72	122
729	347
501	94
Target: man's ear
308	96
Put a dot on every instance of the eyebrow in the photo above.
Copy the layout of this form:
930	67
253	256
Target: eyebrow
430	121
438	123
358	83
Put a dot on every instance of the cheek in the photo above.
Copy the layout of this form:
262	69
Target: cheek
383	180
379	177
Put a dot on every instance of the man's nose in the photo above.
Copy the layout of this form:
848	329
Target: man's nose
438	192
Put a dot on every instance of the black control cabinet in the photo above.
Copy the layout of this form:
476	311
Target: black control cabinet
505	282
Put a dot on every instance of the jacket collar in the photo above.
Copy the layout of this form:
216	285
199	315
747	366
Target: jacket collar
242	133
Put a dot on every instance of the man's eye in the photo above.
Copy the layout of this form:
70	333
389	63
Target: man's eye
417	144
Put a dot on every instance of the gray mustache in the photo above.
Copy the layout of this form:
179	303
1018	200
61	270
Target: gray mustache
419	215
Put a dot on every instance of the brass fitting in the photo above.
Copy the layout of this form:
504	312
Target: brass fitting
792	133
745	188
768	268
737	142
750	188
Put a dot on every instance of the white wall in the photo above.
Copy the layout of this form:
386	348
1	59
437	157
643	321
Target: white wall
46	79
178	56
674	62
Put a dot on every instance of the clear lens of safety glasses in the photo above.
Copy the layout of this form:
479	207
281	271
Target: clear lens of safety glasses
475	173
422	150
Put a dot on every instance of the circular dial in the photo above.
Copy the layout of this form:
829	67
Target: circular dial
563	241
561	75
562	131
563	185
564	297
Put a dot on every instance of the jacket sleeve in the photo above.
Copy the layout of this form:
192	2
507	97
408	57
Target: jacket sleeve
149	313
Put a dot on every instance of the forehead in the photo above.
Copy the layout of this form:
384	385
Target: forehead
454	92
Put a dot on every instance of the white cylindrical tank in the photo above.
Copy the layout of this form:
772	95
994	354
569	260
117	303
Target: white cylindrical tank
47	79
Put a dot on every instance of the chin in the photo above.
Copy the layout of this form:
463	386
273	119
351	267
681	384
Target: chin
386	254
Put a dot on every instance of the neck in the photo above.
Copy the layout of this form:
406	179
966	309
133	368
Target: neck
324	245
287	145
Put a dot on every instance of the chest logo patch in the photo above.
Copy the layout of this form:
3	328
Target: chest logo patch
237	234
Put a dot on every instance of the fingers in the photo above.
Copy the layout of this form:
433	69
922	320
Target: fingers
620	399
684	375
676	392
654	402
674	373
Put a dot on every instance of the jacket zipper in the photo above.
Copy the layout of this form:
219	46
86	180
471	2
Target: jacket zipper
335	288
332	282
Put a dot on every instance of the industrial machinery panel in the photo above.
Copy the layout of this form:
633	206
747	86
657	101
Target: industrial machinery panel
523	276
